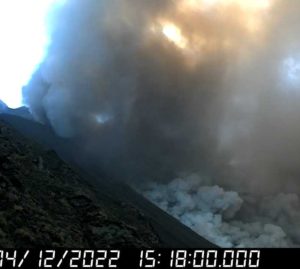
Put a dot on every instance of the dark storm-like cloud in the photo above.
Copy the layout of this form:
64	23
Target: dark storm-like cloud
101	64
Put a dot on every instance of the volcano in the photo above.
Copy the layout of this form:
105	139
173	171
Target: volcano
49	199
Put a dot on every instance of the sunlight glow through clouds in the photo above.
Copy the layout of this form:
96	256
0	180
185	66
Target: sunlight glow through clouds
174	35
23	44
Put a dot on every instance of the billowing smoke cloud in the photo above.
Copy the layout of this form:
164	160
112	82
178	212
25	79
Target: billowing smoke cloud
226	219
154	90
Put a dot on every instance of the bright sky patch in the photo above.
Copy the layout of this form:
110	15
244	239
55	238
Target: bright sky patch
23	44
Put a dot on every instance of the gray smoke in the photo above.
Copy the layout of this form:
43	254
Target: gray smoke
222	103
227	219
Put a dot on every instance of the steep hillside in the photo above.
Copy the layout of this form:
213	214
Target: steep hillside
45	202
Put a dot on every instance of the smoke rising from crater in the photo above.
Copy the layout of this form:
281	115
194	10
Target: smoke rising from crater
154	90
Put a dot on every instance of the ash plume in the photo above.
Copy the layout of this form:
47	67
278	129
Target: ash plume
156	90
227	218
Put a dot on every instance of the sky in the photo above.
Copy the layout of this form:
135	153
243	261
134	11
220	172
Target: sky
24	39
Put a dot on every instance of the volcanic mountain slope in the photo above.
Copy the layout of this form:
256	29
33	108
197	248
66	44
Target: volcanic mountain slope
45	202
3	106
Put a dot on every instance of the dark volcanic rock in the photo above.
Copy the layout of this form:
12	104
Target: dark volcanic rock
82	208
44	203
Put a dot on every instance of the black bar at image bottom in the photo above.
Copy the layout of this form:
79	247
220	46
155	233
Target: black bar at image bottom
147	258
